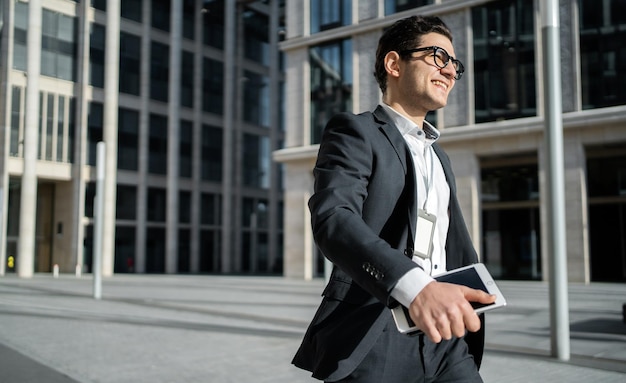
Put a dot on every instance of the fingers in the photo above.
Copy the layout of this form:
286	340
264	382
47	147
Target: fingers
443	311
474	295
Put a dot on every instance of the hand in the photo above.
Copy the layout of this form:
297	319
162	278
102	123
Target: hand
443	310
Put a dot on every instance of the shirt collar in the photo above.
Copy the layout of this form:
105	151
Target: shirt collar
406	126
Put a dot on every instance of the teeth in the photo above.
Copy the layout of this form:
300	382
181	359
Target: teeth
440	84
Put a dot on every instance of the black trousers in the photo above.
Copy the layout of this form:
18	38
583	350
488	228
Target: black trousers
398	358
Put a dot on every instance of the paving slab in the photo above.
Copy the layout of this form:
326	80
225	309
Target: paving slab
192	328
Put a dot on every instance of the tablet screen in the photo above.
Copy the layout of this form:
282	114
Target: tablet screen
467	277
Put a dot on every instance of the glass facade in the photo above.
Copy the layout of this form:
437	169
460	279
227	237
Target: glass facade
504	60
331	83
602	53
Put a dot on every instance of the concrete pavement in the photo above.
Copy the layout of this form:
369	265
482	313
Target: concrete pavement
175	328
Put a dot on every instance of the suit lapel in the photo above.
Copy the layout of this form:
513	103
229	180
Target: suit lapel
391	132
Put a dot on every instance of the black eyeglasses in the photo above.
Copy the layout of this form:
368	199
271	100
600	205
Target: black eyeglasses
441	57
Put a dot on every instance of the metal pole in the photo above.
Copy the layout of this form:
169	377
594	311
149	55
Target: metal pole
559	312
98	220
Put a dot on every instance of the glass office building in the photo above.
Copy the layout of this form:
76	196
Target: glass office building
187	97
492	127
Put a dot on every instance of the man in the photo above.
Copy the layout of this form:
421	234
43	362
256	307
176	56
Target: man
378	174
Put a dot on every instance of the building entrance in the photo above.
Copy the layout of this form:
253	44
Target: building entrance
43	227
511	231
606	187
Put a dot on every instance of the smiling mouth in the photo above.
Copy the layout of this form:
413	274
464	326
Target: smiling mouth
441	84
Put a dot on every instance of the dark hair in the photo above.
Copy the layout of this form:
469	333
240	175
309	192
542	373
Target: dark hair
402	35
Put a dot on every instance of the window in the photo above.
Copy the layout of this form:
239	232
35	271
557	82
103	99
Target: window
60	153
157	145
256	37
128	139
130	63
159	74
212	86
210	213
184	206
212	150
161	14
184	250
124	249
256	99
94	131
47	110
331	83
156	204
189	19
504	60
16	139
58	45
394	6
603	53
126	202
328	14
213	23
90	195
256	161
210	241
19	44
185	149
131	10
100	5
96	55
155	250
187	80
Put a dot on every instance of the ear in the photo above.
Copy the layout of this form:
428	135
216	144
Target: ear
392	64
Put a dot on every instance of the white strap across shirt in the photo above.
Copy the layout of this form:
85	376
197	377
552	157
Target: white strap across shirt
433	195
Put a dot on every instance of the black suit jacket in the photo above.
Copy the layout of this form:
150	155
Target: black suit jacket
363	215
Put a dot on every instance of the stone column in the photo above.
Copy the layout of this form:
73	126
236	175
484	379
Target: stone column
111	105
28	198
173	139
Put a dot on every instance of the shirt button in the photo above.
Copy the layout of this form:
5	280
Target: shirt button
436	267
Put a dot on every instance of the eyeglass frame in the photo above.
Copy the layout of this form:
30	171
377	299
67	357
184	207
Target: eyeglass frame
457	64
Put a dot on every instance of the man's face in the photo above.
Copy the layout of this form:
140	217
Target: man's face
423	86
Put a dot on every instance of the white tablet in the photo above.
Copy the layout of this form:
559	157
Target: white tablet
475	276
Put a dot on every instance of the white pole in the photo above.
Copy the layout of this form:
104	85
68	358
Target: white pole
98	220
559	312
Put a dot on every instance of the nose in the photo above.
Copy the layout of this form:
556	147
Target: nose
449	70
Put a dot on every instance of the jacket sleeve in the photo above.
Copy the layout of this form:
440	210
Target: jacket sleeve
358	194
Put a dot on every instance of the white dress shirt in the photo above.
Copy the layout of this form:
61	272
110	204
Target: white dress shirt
433	195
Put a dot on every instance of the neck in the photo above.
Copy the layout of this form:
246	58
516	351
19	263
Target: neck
411	114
